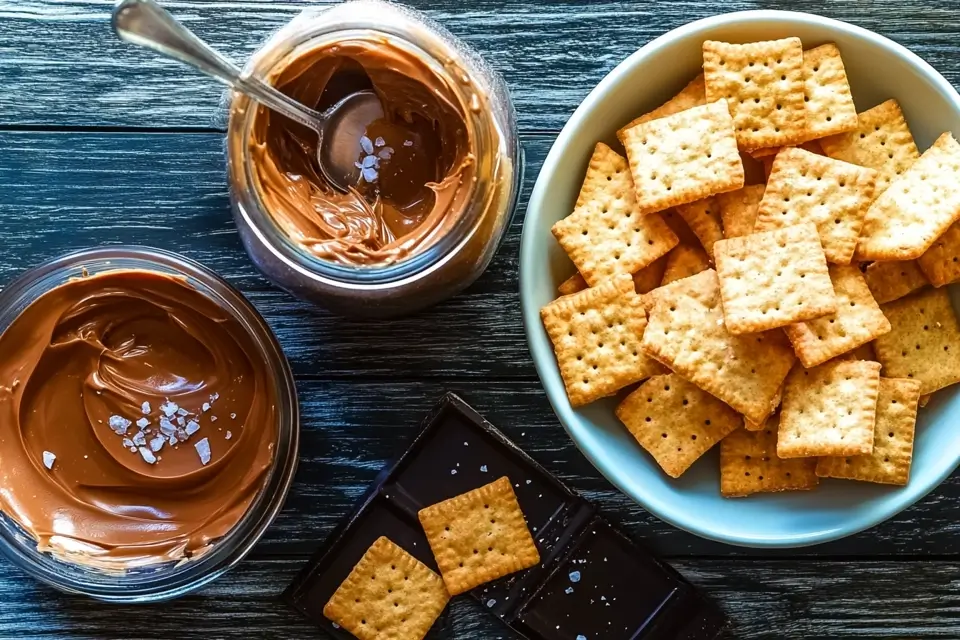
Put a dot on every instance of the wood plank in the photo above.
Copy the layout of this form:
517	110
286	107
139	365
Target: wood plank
67	191
765	598
62	67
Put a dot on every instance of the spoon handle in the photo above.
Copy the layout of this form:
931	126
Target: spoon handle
149	25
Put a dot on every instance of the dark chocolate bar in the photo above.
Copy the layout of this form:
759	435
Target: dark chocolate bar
592	583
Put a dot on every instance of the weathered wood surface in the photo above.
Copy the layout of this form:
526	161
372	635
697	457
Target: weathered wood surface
105	144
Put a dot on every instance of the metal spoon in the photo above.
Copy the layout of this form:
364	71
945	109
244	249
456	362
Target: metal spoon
145	23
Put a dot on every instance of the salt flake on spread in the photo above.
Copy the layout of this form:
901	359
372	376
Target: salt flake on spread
119	424
203	450
145	408
48	459
147	455
169	408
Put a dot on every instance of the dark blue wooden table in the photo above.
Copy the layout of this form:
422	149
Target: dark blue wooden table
101	143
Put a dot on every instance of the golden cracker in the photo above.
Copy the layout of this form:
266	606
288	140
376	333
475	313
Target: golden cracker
857	321
863	352
889	463
763	85
916	208
941	262
738	210
607	234
679	227
684	157
829	410
832	194
749	464
924	343
889	281
676	421
829	103
648	278
881	141
572	284
684	261
388	595
692	95
774	278
596	335
813	146
479	536
686	332
703	218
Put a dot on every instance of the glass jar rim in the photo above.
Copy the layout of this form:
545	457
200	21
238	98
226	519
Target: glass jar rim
163	581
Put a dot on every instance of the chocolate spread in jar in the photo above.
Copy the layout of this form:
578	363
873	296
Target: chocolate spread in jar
416	161
137	423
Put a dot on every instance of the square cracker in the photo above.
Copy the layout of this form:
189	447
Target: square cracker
763	85
684	157
829	410
692	95
774	278
572	284
924	343
648	278
607	234
686	332
889	463
830	108
388	595
881	141
479	536
749	464
684	261
941	262
738	210
703	218
596	336
857	321
832	194
679	227
676	421
889	281
916	208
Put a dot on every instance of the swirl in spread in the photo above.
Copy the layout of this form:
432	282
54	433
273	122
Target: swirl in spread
109	387
417	159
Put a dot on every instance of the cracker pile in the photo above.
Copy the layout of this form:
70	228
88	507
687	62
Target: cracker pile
800	323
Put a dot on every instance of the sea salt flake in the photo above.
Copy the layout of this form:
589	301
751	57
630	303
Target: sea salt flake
379	142
369	162
466	444
366	144
408	143
603	598
580	636
233	416
214	397
169	408
172	440
483	468
227	435
142	423
385	153
369	174
119	424
213	418
147	455
157	443
490	603
529	481
139	439
166	427
181	421
127	442
182	435
205	407
203	450
182	412
568	590
574	576
145	408
453	472
48	459
192	427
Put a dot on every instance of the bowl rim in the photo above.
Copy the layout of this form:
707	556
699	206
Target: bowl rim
533	328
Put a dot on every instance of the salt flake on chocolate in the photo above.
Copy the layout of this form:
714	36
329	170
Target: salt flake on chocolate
119	424
169	408
139	439
157	443
147	455
203	450
166	427
145	408
142	423
48	459
192	427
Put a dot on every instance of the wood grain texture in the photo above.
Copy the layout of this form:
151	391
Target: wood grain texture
766	598
63	67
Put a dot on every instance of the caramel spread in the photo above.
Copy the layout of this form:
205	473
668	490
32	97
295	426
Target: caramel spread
136	422
415	160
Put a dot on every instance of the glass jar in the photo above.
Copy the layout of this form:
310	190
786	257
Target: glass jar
170	579
450	263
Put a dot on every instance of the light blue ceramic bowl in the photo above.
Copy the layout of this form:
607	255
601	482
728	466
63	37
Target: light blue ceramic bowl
878	69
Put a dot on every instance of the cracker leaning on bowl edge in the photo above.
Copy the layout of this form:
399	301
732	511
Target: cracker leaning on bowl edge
812	291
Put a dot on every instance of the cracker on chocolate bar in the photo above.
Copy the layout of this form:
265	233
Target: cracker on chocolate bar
924	343
857	321
686	332
881	141
832	194
479	536
676	421
774	278
738	210
596	336
749	464
684	261
388	594
684	157
607	234
889	462
691	95
917	207
703	218
829	410
829	103
763	85
889	281
941	262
